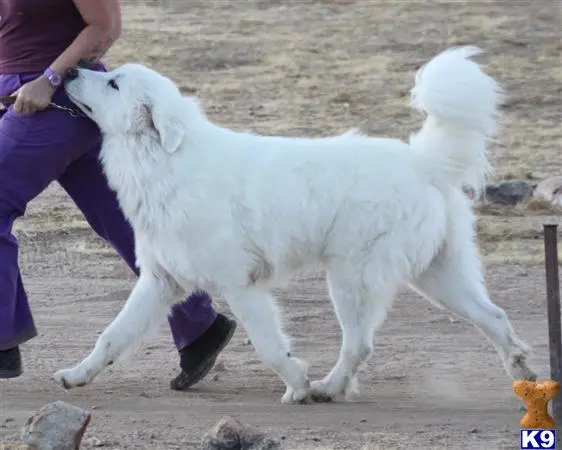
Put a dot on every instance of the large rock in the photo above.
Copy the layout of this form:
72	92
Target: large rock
56	426
509	192
231	434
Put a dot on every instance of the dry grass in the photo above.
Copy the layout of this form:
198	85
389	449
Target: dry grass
529	207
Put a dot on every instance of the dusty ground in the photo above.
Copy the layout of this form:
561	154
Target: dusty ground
307	68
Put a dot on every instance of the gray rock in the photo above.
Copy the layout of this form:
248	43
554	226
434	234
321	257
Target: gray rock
56	426
231	434
509	192
550	189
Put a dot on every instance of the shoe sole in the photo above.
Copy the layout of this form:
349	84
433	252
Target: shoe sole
177	384
12	373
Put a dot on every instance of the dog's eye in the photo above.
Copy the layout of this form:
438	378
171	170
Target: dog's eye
113	84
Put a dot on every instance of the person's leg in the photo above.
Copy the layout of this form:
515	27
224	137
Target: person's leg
16	321
199	332
34	150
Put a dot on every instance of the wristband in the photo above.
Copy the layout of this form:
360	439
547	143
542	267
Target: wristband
54	78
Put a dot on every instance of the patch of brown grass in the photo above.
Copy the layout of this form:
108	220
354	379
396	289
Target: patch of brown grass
521	174
514	240
531	206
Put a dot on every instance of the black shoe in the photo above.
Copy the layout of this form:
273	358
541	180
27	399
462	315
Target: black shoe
10	363
198	359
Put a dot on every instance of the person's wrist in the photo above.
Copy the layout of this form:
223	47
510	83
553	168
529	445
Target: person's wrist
45	82
53	77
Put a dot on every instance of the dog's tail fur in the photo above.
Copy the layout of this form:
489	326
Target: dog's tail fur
462	107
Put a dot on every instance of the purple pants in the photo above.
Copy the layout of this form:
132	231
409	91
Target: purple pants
36	149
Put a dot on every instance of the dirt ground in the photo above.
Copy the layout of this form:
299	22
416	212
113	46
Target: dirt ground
311	67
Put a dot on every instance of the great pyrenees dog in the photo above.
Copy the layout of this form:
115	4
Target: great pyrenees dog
235	213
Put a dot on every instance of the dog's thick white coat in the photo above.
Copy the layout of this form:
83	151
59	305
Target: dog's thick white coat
235	213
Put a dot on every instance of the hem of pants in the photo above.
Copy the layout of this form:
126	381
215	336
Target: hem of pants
182	342
20	339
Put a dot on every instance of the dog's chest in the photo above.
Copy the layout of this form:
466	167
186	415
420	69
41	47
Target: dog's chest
142	195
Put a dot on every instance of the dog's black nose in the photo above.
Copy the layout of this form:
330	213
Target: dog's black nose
72	74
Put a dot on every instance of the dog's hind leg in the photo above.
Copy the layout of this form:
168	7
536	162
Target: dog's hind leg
361	303
145	309
455	281
257	310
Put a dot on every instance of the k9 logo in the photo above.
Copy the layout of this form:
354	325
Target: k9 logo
541	439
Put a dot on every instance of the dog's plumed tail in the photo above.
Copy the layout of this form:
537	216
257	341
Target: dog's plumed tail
462	107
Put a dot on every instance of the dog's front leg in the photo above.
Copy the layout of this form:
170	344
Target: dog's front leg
145	310
258	311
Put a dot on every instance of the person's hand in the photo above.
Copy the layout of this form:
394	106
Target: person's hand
34	96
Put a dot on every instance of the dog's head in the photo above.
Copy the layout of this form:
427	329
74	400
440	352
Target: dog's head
131	99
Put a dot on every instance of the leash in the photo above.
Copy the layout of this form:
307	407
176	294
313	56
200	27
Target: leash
71	111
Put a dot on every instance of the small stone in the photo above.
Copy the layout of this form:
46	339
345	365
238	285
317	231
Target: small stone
247	342
94	442
229	433
475	430
9	419
363	421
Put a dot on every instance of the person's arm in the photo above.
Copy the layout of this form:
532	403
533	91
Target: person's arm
103	28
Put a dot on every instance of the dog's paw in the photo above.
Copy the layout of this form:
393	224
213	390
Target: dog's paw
300	396
287	398
319	393
320	397
519	370
70	378
351	391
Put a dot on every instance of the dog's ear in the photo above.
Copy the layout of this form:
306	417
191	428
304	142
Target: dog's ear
169	128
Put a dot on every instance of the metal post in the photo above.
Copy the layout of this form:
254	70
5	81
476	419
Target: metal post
554	329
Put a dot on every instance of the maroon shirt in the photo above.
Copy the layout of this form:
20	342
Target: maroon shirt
33	33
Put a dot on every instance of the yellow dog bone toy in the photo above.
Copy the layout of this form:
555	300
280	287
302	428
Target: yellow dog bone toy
536	396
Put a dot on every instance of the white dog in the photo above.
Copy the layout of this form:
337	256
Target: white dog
233	212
